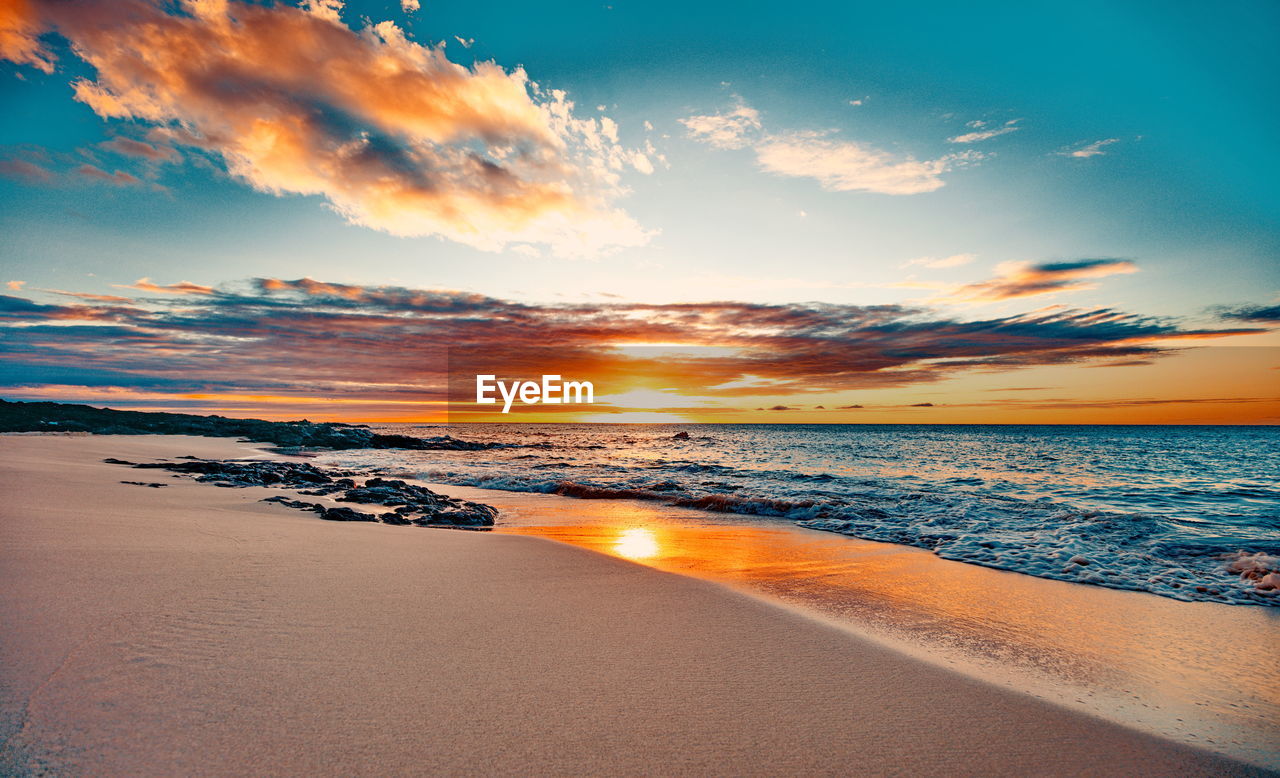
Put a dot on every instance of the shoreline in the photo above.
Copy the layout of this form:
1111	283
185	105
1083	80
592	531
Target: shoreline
1135	658
195	629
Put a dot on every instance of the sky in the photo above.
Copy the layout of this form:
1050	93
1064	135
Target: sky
845	212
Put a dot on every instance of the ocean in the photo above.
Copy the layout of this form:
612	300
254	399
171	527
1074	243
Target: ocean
1191	513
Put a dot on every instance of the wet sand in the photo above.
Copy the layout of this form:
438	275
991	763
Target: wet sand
1192	671
191	629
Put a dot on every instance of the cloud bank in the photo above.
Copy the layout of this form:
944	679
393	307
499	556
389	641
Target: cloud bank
389	132
305	338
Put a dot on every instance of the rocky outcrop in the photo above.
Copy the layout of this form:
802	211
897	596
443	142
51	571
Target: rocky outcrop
412	504
304	434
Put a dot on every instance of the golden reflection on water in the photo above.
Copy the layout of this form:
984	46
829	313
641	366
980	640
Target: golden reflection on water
636	543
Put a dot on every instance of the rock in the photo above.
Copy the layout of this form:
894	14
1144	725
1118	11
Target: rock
682	435
392	517
412	504
346	514
145	483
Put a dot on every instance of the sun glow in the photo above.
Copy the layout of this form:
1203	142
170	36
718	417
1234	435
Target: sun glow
636	543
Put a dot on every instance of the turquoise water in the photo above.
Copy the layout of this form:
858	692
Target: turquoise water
1186	512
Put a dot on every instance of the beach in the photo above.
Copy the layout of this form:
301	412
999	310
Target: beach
196	630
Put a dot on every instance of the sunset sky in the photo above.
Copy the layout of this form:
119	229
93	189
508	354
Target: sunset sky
723	212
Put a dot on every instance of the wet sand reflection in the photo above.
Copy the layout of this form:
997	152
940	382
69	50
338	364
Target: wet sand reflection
1201	672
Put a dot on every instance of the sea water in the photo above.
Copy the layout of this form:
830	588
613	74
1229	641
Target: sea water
1191	513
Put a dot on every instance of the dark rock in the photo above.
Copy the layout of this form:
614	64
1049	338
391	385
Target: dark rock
299	504
411	503
145	483
346	514
682	435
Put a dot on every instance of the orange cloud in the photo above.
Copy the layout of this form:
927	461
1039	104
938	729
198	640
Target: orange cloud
182	287
20	28
1028	280
394	135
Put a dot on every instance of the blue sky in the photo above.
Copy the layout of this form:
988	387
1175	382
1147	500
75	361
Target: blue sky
1136	132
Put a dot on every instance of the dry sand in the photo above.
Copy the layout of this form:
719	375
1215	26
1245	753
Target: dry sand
194	630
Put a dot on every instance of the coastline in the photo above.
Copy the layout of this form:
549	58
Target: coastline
194	629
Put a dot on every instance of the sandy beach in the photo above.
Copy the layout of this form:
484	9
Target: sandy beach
195	630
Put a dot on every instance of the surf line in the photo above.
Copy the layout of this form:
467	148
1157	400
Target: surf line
550	391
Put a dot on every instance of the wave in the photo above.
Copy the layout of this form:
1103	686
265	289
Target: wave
1133	551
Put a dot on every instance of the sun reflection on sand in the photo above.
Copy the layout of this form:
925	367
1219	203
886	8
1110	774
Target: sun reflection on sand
636	543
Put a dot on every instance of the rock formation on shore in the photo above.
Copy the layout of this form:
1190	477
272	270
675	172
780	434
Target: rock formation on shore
411	504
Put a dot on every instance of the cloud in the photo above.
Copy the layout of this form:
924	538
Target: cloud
100	298
391	133
20	28
1086	150
305	338
182	287
119	178
410	6
466	43
16	285
731	130
838	165
24	170
984	131
1024	279
938	263
845	166
136	148
1268	314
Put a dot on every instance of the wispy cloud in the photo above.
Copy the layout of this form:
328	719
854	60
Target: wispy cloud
734	129
1086	150
980	131
119	177
24	170
1025	279
838	165
938	263
394	135
182	287
137	148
